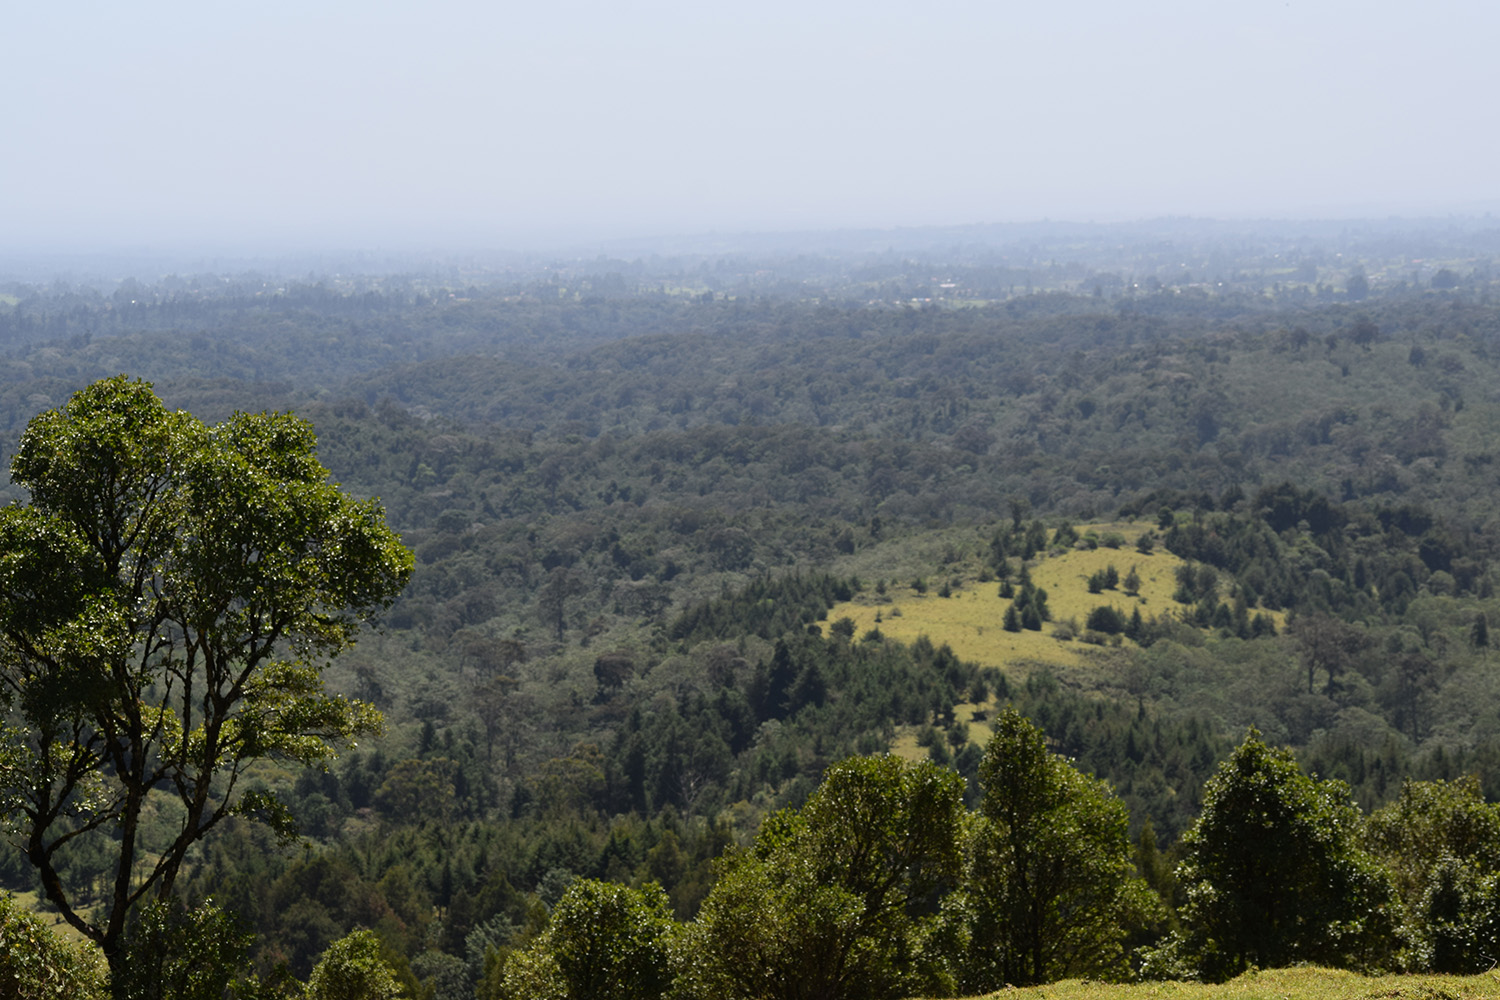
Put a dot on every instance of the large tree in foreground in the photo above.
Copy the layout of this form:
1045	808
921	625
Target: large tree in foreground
1050	890
168	598
835	901
1274	874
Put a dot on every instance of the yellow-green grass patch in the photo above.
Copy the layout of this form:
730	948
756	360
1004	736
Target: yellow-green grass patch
1277	984
971	619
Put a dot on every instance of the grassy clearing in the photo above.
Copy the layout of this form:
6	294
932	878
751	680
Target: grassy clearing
970	620
32	901
1279	984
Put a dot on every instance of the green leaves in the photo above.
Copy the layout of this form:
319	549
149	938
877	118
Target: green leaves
1050	890
604	942
830	902
352	969
1440	841
166	598
1274	872
36	964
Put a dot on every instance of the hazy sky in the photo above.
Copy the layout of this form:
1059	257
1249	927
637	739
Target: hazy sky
446	123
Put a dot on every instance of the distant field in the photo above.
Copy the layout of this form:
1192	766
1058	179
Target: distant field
1279	984
32	902
970	621
8	300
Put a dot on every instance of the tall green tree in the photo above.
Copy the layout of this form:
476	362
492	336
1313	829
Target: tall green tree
1441	843
836	900
169	595
603	942
1274	873
1050	888
353	968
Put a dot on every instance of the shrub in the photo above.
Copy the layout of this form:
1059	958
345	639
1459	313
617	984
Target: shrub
36	964
1105	619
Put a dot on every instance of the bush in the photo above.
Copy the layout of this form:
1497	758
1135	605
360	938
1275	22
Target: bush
173	953
36	964
353	969
605	942
1105	619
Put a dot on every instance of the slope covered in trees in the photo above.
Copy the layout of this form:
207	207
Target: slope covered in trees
633	499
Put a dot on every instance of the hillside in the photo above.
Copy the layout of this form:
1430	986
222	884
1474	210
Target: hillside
684	540
1296	984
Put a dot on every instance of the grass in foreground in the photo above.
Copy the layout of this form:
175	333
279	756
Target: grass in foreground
1278	984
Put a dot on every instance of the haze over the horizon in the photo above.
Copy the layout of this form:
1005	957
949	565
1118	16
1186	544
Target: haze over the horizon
325	123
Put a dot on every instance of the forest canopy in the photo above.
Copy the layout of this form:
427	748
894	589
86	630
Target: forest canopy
694	544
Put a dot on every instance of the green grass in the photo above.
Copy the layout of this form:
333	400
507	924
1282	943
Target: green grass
971	619
1278	984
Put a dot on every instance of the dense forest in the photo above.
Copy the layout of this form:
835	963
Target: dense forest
646	499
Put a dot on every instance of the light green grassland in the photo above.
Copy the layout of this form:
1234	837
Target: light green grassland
1279	984
970	619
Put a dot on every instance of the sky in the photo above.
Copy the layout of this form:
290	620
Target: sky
295	124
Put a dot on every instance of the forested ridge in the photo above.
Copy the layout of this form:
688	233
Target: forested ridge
635	492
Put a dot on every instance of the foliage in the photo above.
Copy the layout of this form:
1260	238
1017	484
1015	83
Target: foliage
36	964
353	969
767	608
1273	873
166	596
172	953
833	901
1440	841
584	458
1050	890
604	941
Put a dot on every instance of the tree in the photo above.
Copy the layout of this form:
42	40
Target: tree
353	969
1274	874
168	597
1441	843
1050	889
37	964
1358	286
1105	618
1328	645
833	900
604	942
173	953
1364	332
552	599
